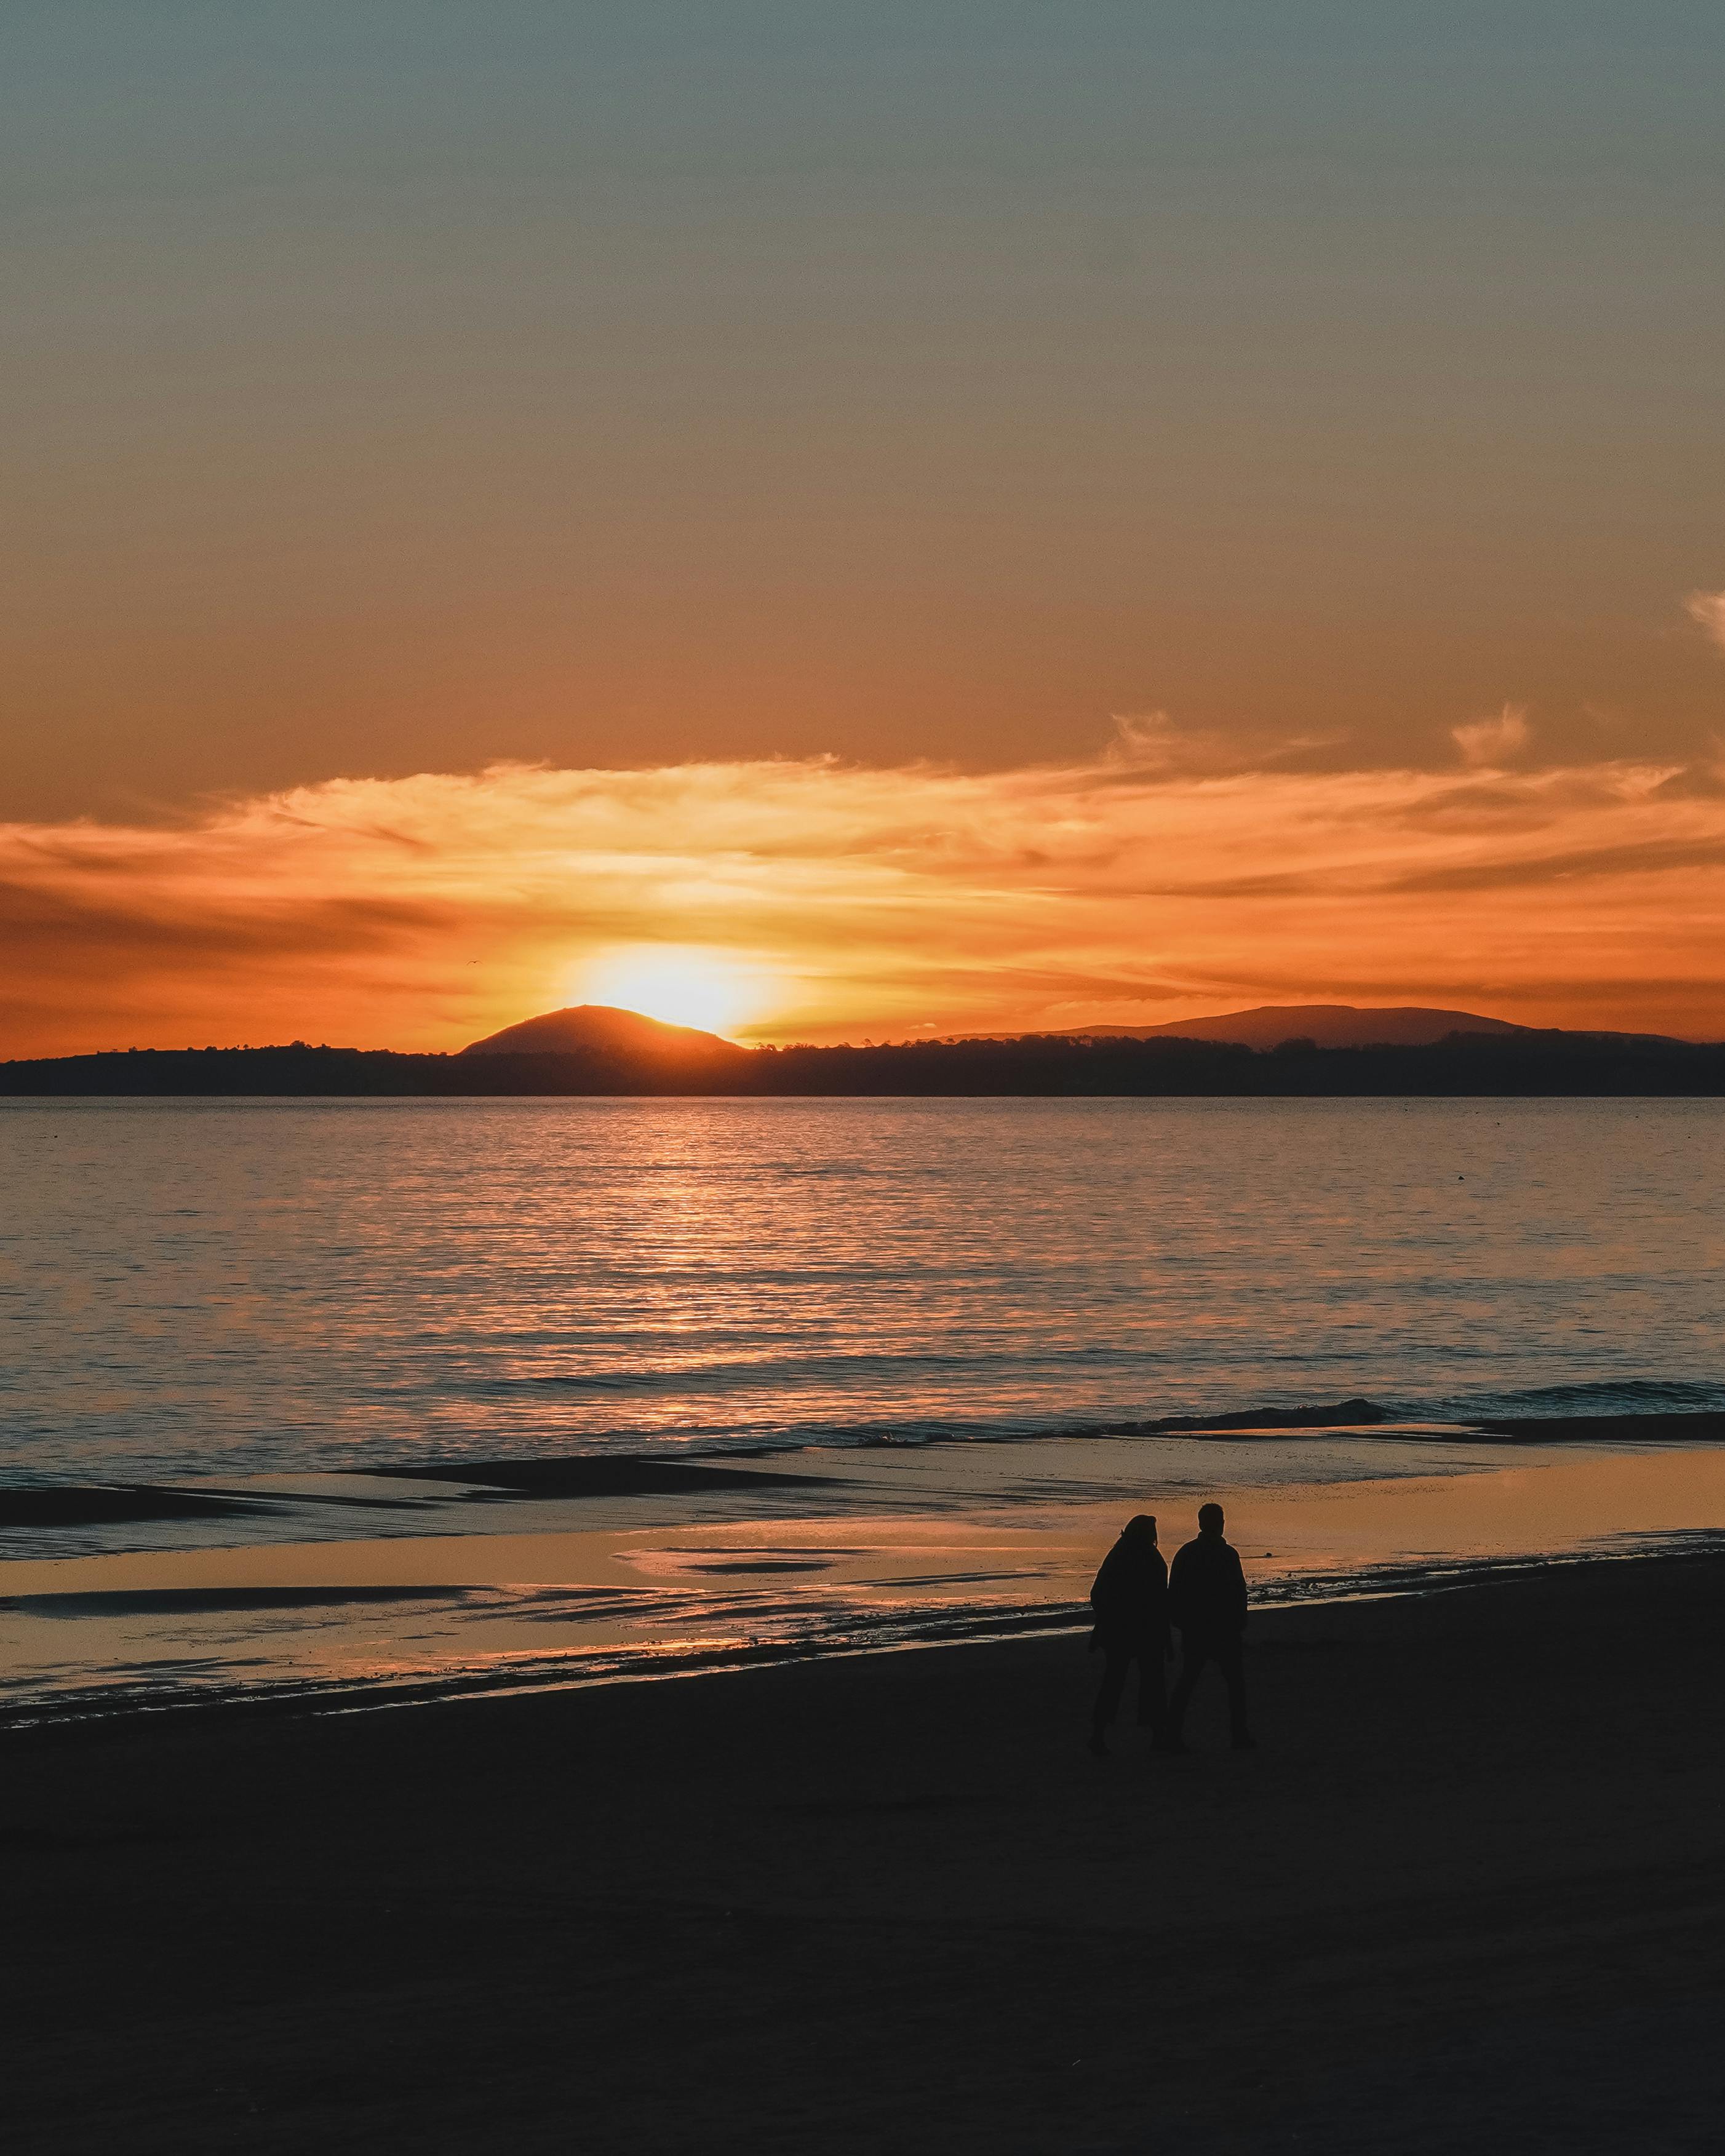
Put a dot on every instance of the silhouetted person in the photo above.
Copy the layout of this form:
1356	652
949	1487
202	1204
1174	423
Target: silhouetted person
1130	1599
1207	1600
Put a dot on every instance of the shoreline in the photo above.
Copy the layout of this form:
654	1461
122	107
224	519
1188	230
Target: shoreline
465	1596
64	1714
1471	1885
1528	1064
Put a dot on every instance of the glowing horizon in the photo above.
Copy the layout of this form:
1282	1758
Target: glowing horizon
679	984
820	901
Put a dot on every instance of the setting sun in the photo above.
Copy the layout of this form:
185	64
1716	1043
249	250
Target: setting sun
682	986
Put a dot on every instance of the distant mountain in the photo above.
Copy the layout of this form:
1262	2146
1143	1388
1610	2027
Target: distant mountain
1327	1025
585	1027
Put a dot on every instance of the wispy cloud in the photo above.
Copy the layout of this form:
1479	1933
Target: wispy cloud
1708	608
1490	743
1147	880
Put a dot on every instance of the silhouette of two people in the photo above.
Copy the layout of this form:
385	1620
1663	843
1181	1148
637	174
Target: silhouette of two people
1136	1601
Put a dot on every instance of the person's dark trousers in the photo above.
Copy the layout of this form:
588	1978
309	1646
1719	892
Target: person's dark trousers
1152	1699
1223	1650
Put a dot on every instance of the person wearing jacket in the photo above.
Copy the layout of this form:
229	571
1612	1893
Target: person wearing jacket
1207	1600
1130	1601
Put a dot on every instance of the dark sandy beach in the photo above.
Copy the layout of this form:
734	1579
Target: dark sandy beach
1470	1892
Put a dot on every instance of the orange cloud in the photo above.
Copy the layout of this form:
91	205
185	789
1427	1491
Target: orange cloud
1489	743
1132	887
1708	608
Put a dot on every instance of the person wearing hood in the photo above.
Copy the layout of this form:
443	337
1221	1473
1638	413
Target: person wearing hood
1130	1601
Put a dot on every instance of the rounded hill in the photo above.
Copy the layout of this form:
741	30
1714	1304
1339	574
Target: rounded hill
584	1028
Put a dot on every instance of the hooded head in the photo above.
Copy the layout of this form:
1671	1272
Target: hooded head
1140	1528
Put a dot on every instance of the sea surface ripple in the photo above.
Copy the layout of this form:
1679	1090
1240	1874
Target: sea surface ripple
210	1288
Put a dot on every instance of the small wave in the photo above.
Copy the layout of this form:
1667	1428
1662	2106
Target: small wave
1569	1403
1555	1413
692	1458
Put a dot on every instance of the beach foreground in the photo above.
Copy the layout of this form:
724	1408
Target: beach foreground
1470	1888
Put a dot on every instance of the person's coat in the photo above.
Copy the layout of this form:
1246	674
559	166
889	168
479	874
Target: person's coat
1207	1590
1130	1596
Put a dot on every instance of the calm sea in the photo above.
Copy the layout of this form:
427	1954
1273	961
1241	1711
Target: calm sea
219	1288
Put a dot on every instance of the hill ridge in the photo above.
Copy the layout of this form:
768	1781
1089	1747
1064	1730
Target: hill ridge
1533	1062
1327	1025
580	1027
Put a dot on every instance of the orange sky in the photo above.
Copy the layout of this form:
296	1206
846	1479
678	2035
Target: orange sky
1157	879
504	503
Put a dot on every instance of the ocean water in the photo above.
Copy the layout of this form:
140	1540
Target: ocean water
210	1289
913	1335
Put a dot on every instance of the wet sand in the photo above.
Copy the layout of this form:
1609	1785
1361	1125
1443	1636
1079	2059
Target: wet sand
1470	1890
958	1543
